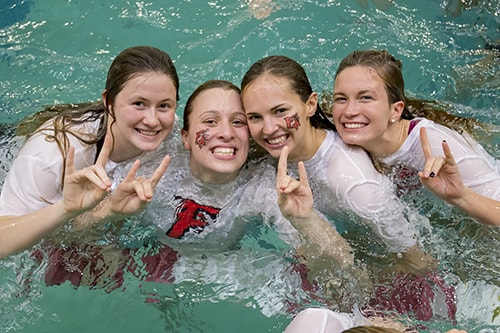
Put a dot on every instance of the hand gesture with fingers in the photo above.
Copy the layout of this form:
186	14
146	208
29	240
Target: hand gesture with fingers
84	189
134	193
440	174
294	196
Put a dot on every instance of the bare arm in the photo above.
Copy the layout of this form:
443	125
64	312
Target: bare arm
442	177
296	204
83	189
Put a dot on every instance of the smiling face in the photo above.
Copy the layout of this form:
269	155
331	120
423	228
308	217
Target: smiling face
217	135
144	112
361	109
277	117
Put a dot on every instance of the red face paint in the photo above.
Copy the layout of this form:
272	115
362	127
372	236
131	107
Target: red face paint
293	122
201	138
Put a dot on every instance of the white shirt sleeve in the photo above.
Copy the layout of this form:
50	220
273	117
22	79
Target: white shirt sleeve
478	169
35	180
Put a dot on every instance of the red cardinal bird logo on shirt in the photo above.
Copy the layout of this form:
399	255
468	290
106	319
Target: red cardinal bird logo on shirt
190	216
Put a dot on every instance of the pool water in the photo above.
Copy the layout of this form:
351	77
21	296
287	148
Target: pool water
59	52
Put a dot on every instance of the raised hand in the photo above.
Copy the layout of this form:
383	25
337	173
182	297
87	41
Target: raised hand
296	204
84	189
441	174
294	196
442	177
134	193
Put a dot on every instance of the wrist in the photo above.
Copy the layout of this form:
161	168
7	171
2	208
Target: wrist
465	199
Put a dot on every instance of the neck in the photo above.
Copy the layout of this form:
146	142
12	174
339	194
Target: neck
392	140
310	146
213	178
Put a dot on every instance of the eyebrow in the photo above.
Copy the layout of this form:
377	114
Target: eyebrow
276	107
357	93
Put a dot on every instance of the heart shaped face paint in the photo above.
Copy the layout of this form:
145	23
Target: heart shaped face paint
201	138
293	122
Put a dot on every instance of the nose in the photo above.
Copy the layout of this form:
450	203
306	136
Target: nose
151	117
226	130
269	126
350	108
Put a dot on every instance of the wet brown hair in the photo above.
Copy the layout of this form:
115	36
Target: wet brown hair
389	70
371	329
126	65
292	71
255	151
210	84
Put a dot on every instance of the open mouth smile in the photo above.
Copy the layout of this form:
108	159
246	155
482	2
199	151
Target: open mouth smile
277	141
224	151
354	125
146	132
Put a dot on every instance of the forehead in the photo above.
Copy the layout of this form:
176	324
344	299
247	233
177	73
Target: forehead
141	78
358	78
217	100
267	92
149	85
266	82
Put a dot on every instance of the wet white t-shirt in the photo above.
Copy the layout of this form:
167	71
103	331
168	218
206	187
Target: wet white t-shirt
35	181
479	170
195	216
343	180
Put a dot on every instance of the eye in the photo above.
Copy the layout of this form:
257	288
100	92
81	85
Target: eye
253	117
366	97
209	122
339	99
281	110
239	123
139	103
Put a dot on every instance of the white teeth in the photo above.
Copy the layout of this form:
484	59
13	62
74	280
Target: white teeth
149	133
354	125
224	151
277	140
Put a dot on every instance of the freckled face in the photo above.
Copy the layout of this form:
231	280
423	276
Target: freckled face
145	112
361	108
218	136
277	116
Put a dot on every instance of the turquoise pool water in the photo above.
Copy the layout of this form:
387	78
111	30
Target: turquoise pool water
59	52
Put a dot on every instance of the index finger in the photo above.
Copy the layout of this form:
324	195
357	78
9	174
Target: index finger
424	141
70	161
105	151
282	163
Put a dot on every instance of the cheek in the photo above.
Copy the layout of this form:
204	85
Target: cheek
336	118
167	119
201	138
292	122
243	134
253	129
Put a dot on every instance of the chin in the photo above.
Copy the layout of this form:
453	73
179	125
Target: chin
149	147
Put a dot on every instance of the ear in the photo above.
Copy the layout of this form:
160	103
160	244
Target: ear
396	110
312	104
103	97
185	139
